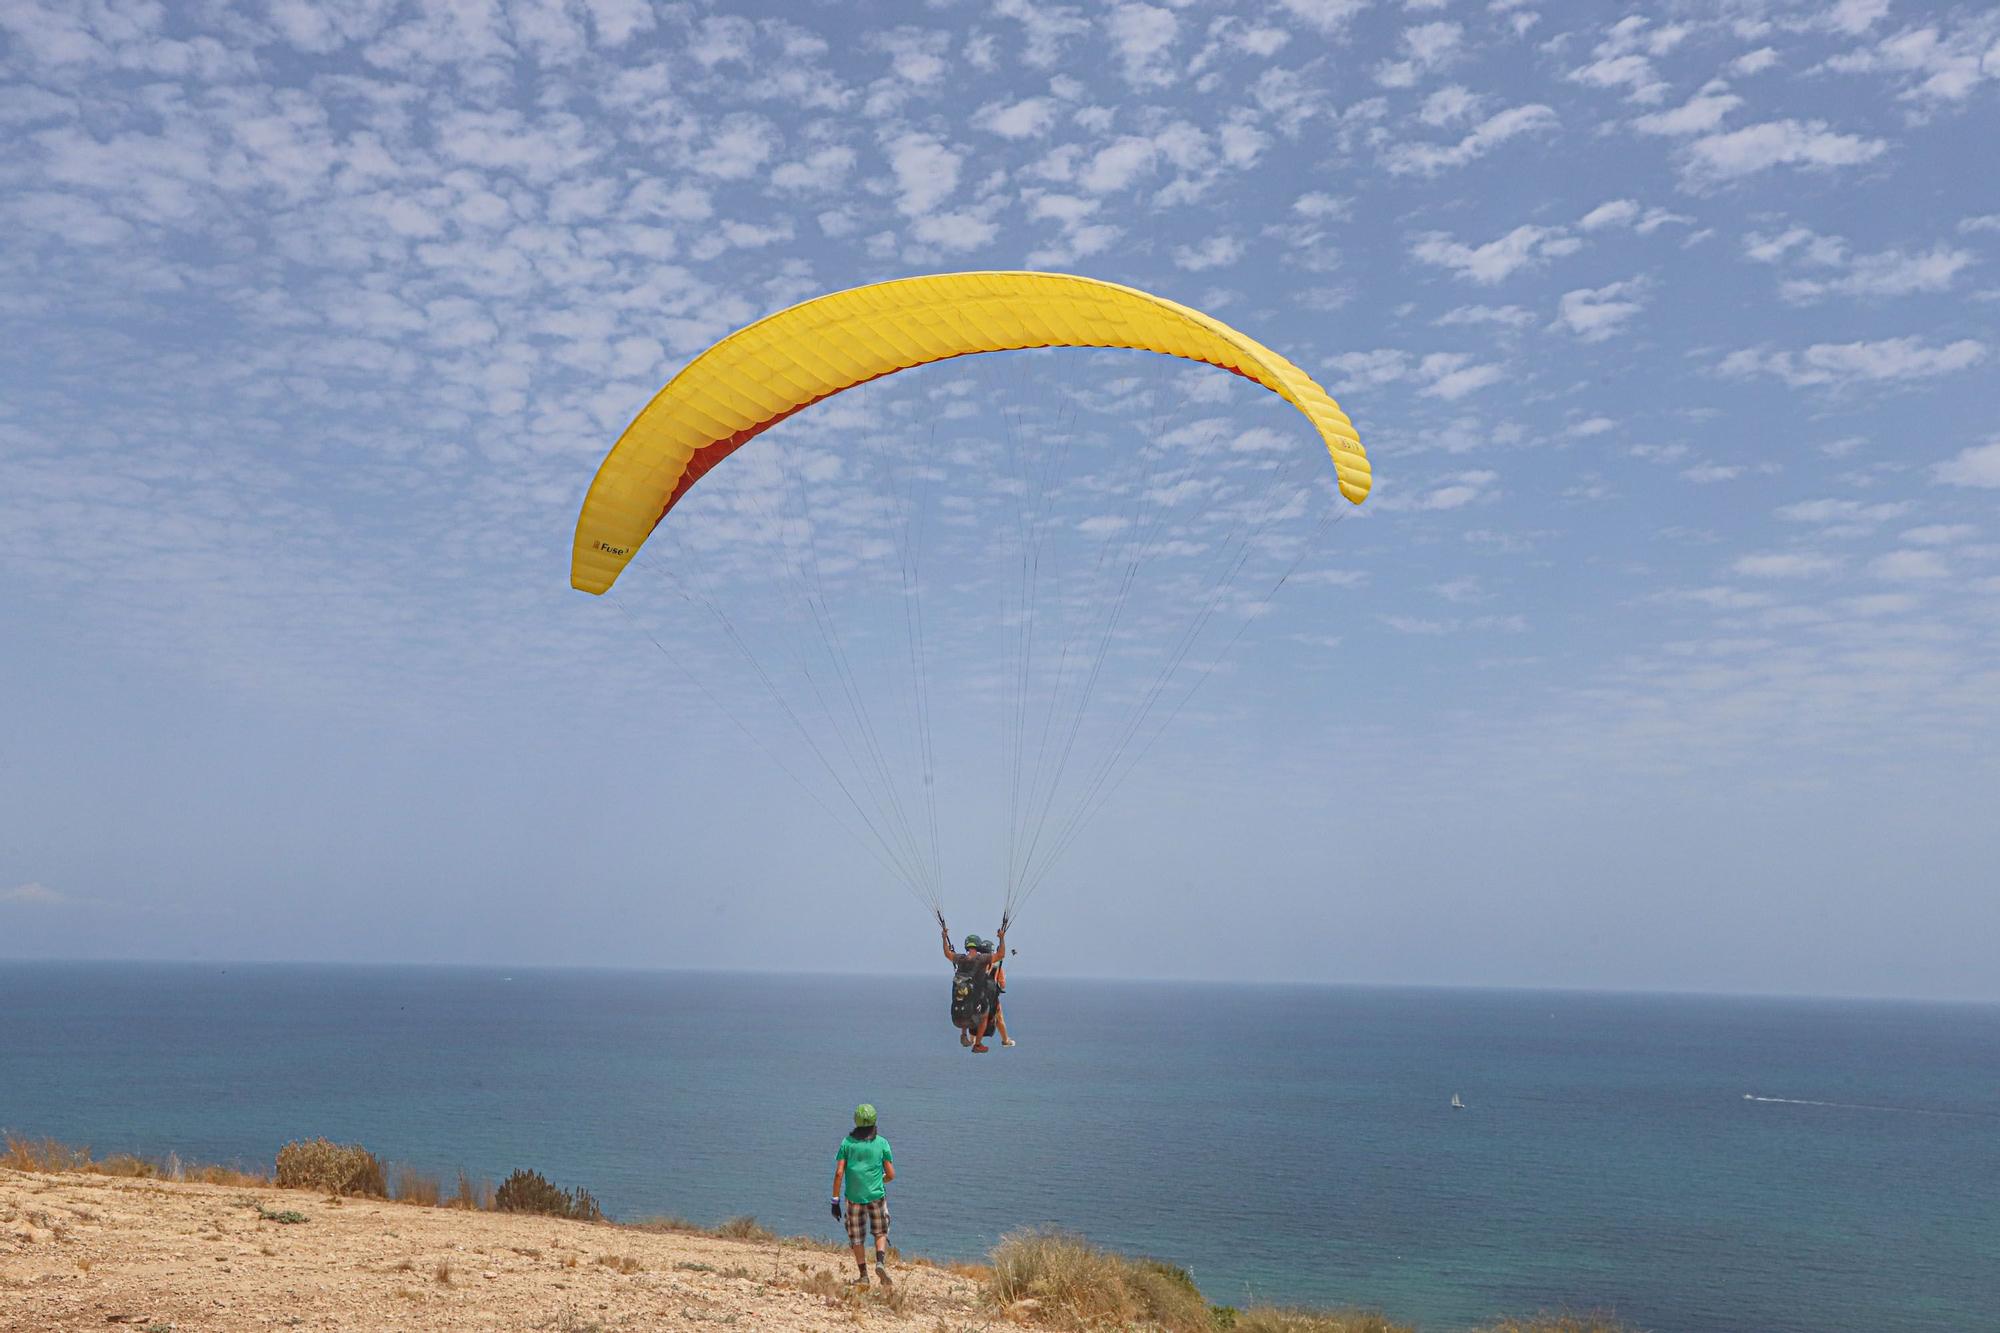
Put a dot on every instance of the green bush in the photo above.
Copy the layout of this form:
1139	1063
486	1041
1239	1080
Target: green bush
316	1164
530	1192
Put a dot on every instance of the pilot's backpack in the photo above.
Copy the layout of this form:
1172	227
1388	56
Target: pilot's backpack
971	991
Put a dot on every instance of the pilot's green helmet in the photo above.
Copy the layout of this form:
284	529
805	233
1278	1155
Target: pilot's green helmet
864	1116
973	941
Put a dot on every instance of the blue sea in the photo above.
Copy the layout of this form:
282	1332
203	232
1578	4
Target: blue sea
1691	1163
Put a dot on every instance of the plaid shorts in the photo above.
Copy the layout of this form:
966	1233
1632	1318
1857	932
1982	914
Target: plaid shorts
859	1216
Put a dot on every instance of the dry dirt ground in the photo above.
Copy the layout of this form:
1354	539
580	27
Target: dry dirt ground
107	1253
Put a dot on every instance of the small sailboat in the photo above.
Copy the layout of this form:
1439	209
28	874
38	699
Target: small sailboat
1456	1104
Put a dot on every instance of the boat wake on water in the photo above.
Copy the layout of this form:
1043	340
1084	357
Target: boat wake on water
1870	1106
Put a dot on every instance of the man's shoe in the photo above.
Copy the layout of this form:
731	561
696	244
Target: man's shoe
882	1272
964	1038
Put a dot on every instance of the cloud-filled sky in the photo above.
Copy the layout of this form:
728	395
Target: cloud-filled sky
1663	655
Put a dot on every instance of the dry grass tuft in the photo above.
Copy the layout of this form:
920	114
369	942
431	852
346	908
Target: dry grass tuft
410	1186
474	1195
840	1294
47	1155
335	1168
622	1263
746	1228
823	1282
136	1168
1267	1320
442	1273
1054	1277
44	1155
661	1224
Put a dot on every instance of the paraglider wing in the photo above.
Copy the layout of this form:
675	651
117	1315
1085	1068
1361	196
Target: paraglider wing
763	373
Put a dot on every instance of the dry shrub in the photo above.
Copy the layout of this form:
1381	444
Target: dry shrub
841	1294
1071	1281
745	1228
415	1187
1267	1320
893	1299
45	1154
442	1273
668	1225
335	1168
1590	1321
125	1164
831	1289
623	1263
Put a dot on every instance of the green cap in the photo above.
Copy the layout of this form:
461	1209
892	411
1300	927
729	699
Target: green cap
864	1116
972	941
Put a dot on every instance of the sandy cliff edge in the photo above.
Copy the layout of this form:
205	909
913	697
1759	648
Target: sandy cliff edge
101	1252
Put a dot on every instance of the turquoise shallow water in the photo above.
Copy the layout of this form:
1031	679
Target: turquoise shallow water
1284	1143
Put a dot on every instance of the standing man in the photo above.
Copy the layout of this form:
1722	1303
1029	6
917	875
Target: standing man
865	1162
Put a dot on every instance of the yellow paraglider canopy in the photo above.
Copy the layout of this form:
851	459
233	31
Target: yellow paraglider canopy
761	374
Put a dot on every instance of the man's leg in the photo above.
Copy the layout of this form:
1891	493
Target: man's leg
1000	1023
879	1212
857	1232
979	1039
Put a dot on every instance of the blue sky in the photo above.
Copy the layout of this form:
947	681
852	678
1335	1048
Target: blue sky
1663	655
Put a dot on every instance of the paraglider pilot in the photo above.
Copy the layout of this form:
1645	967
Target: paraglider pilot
980	978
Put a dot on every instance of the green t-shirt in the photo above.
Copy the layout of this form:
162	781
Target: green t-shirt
864	1158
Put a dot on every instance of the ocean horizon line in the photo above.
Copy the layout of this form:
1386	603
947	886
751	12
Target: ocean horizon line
1215	983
